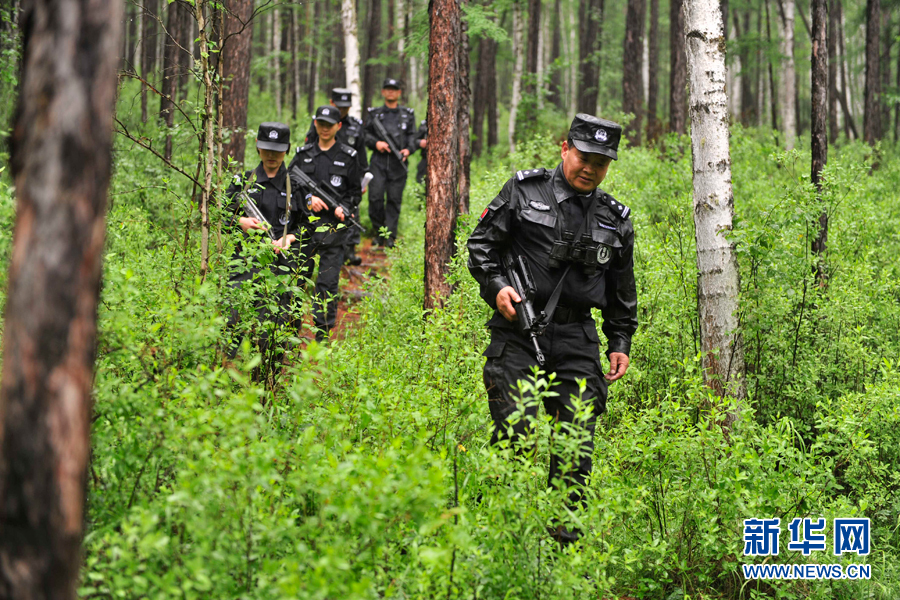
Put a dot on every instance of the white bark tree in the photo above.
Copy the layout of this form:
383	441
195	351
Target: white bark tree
787	89
351	55
718	281
276	60
519	53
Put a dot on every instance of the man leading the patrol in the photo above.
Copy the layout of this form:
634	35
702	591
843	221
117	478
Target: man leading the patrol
578	243
351	133
389	171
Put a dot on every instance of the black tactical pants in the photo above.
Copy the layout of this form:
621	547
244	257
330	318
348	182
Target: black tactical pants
388	179
572	352
330	247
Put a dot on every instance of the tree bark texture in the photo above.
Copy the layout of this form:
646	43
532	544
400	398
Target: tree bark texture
872	111
209	158
236	76
632	82
493	112
748	87
788	89
591	26
532	49
351	54
170	73
148	51
819	133
555	93
653	129
518	52
772	95
462	118
677	69
443	148
832	71
61	154
479	97
718	283
370	74
885	61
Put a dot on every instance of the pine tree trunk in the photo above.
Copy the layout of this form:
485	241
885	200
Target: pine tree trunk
872	110
443	148
313	16
748	93
236	76
209	139
677	69
718	283
819	137
555	94
370	74
148	52
402	71
493	113
479	98
653	129
632	83
532	49
833	129
772	95
351	51
170	74
589	53
275	60
787	91
61	150
885	62
462	118
518	52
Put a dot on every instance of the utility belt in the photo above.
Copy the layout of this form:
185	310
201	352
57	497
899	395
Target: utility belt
584	251
564	315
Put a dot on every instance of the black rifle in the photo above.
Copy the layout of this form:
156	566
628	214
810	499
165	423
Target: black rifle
253	212
389	141
531	322
319	190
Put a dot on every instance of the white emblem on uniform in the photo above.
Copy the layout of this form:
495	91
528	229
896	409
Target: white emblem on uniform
403	126
282	219
601	135
538	205
603	254
273	135
336	180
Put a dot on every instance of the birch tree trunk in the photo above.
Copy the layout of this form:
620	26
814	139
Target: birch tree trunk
351	55
275	56
61	162
443	148
833	129
519	53
872	110
787	90
718	282
819	133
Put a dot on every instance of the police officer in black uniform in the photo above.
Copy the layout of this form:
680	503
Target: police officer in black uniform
352	134
568	230
335	166
389	175
421	143
267	186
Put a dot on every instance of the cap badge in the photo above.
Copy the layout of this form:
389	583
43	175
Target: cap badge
273	135
600	135
325	111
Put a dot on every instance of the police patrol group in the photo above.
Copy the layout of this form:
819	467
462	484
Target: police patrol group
550	247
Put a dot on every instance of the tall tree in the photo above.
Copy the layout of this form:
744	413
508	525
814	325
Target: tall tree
274	52
748	91
632	55
443	147
677	69
370	72
61	162
493	114
788	89
351	51
148	51
872	112
832	72
819	134
555	92
771	96
532	50
236	44
718	282
653	129
462	117
479	96
591	29
887	41
519	53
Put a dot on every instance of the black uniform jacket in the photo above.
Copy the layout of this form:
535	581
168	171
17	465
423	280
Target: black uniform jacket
270	195
400	123
351	133
338	171
526	218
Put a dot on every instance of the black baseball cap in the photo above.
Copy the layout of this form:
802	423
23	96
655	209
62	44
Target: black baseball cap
390	82
595	136
329	114
341	97
274	136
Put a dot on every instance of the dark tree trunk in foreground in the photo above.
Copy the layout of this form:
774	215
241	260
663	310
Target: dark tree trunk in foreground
653	129
872	114
819	141
632	82
590	18
236	76
61	148
443	148
832	73
677	69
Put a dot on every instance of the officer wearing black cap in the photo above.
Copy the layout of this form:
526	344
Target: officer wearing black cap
389	175
352	134
267	186
578	242
334	165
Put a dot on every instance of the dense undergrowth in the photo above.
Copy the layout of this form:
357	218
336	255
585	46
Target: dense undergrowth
361	468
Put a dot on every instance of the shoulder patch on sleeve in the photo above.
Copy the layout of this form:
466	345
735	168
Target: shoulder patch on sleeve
355	120
348	150
408	109
304	147
617	207
529	173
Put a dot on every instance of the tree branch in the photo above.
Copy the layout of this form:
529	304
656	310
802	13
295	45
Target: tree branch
140	142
